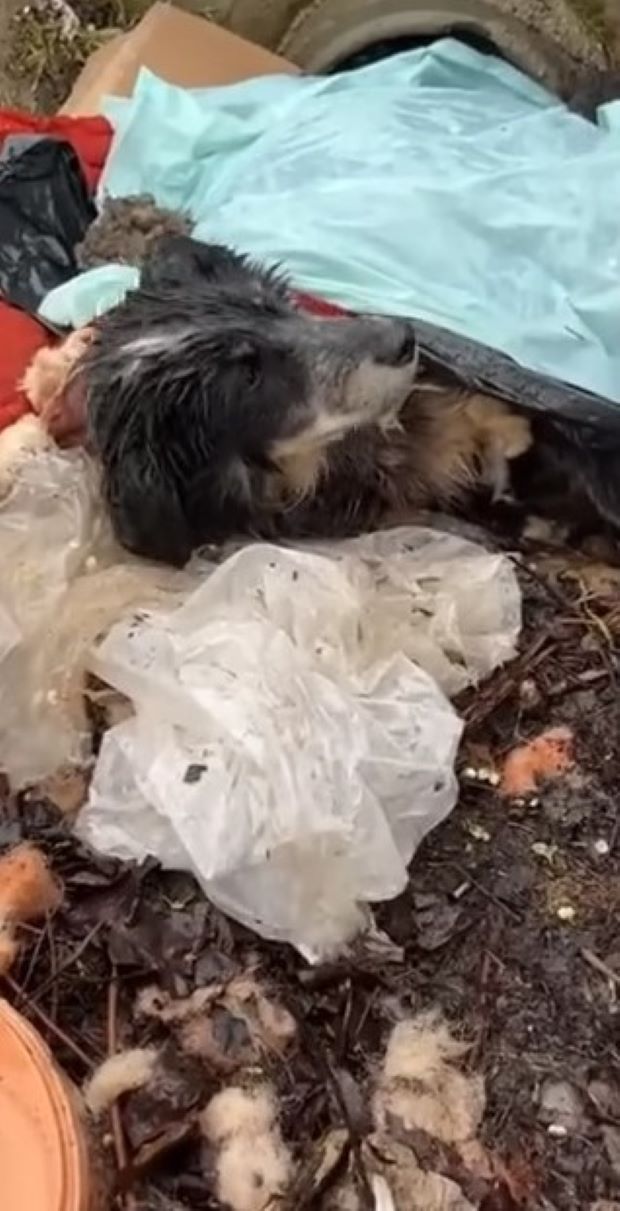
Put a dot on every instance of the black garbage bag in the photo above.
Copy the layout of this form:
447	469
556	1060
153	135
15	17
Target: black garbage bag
573	469
45	210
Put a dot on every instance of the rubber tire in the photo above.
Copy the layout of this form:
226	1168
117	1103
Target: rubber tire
330	31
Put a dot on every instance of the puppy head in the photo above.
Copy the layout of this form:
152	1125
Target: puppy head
213	404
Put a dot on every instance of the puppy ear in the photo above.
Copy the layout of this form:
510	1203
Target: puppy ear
176	261
146	509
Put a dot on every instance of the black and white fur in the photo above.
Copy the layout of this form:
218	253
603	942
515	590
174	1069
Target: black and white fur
213	401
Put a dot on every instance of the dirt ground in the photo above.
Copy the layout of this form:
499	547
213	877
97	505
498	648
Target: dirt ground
509	925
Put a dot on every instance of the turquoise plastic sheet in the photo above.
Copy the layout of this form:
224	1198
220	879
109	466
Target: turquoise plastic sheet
440	184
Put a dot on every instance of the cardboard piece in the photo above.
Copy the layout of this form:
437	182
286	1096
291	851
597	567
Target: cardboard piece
180	48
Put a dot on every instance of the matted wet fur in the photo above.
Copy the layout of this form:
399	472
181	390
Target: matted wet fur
218	408
450	444
126	229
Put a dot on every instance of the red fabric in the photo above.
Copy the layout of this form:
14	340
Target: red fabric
89	137
20	334
315	306
20	338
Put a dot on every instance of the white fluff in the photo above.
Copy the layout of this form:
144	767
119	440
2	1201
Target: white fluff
119	1074
253	1166
421	1086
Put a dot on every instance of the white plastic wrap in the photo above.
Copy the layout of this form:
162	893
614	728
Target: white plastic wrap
48	529
63	582
286	748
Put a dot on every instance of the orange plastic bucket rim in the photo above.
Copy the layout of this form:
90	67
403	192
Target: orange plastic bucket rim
43	1142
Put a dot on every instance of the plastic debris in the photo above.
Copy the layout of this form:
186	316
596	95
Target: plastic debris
26	437
45	209
286	749
54	605
47	1157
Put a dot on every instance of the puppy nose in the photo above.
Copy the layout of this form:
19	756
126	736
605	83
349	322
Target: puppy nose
407	348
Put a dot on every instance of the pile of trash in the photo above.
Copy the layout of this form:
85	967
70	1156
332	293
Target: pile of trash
285	730
273	726
290	738
282	719
283	726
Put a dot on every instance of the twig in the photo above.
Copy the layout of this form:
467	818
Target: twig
598	965
478	1044
488	957
491	697
68	962
54	966
577	684
36	950
579	610
118	1135
46	1021
343	1031
465	874
317	978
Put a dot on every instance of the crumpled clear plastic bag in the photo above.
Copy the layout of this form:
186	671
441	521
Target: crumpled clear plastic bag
64	582
443	600
293	742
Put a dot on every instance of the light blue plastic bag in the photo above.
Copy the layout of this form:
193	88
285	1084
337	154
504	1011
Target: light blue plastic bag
440	184
82	299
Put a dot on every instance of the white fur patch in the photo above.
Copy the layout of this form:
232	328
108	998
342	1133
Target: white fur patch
155	343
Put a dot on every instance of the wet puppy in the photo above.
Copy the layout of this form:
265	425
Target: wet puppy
218	408
213	405
450	446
